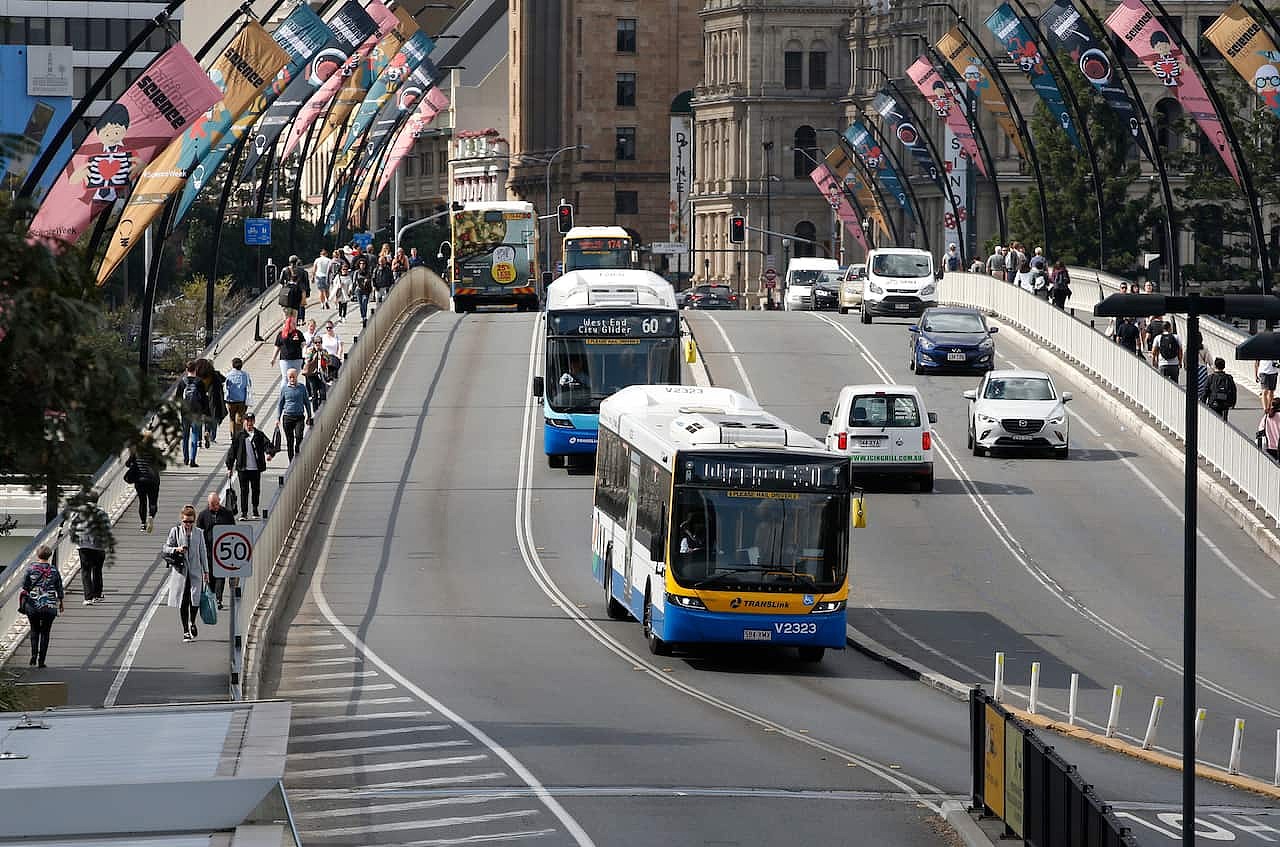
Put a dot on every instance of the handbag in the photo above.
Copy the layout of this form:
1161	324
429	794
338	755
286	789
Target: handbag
24	604
208	606
131	474
230	501
176	560
275	439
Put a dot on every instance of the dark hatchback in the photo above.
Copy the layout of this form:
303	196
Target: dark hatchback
711	297
952	339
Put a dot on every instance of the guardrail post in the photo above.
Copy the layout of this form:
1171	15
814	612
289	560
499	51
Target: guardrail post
1157	706
998	688
1071	699
1114	717
1035	688
1200	716
1276	780
1237	747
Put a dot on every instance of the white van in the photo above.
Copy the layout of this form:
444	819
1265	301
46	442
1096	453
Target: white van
802	275
885	430
900	281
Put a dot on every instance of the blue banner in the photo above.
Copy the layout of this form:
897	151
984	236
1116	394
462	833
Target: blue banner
1023	51
876	162
35	118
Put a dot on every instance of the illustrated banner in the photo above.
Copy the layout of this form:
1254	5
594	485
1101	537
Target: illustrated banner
900	126
433	104
873	158
955	48
396	110
171	94
942	100
240	72
1249	49
1023	51
394	75
1156	50
830	186
356	86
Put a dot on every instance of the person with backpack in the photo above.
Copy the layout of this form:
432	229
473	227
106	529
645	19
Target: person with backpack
1128	334
290	298
1220	394
237	388
195	411
1166	353
41	600
1059	284
299	275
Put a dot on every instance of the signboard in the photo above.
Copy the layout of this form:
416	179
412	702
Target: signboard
232	551
49	71
993	763
616	325
362	239
257	232
33	117
668	247
1013	781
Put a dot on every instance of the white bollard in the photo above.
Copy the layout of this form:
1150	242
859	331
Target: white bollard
1237	746
1200	716
998	689
1157	706
1114	717
1071	699
1035	688
1276	781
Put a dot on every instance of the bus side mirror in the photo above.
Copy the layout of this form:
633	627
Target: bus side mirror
658	548
825	418
691	351
859	511
537	387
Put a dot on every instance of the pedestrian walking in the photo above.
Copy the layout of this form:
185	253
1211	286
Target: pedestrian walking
250	451
363	281
309	332
1011	265
216	386
951	261
1038	262
342	296
313	371
1269	430
400	264
1128	335
89	528
1059	285
1265	372
995	263
415	261
294	412
299	276
331	342
194	412
321	267
1202	376
1221	391
188	564
291	297
1166	353
1024	279
41	601
289	348
215	514
145	479
237	389
383	277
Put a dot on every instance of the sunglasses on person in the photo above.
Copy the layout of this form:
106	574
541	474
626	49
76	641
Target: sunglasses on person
188	521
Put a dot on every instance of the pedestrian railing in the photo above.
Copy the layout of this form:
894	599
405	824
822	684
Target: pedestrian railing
1225	449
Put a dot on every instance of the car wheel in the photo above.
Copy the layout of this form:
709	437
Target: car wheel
866	316
968	440
1062	453
843	310
811	654
978	449
926	484
657	646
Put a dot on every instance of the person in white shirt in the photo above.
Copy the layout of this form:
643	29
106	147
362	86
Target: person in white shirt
320	270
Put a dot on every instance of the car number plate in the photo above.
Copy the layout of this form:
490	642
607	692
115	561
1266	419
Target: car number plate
902	307
955	357
757	635
870	442
1022	438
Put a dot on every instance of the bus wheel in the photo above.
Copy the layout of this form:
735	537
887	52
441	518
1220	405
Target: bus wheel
657	646
615	610
812	654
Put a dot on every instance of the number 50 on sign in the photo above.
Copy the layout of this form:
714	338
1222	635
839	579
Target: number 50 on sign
232	551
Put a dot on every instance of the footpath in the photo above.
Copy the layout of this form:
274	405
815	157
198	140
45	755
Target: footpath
128	649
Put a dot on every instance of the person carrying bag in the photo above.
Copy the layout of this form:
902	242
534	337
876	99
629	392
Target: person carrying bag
188	567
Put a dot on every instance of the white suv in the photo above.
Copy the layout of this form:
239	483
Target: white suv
1021	409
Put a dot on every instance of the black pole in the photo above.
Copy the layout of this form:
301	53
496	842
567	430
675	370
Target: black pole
1154	154
295	197
1081	118
228	184
1191	467
906	184
873	184
1246	174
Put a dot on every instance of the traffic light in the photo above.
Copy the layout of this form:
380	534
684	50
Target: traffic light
564	217
737	230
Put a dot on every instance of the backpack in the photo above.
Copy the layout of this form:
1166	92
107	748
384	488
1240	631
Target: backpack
1222	390
1169	346
290	291
193	395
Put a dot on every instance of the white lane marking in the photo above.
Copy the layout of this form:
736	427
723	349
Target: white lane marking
321	663
353	770
375	750
537	570
318	677
328	737
373	808
435	782
371	716
434	823
737	360
135	644
303	705
1173	507
492	838
315	648
1024	559
339	689
552	805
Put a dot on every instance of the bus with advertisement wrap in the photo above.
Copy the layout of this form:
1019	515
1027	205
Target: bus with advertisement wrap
493	255
598	247
716	522
606	329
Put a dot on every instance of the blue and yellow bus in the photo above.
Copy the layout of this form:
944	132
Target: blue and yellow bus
596	247
716	522
606	329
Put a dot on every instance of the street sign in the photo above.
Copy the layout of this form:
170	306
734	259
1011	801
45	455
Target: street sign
257	232
771	276
232	551
362	239
669	247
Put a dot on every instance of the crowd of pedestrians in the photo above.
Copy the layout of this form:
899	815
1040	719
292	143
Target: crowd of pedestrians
1030	272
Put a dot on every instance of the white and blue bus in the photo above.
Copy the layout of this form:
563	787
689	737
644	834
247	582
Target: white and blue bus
606	329
715	521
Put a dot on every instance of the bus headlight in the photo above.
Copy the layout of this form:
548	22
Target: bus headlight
559	424
685	601
826	607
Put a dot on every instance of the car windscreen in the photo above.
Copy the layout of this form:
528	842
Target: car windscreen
1018	388
954	322
718	290
901	265
891	410
804	277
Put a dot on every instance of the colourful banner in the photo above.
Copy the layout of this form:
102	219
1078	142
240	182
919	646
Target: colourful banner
356	86
384	19
1068	32
411	55
831	187
1023	51
339	205
955	48
349	28
900	125
1158	51
397	109
301	34
942	100
240	72
433	104
1249	49
875	161
171	94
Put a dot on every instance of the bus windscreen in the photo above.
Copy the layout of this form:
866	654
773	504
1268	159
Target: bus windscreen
582	372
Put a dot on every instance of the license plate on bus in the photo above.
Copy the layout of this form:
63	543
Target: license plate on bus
955	357
902	307
757	635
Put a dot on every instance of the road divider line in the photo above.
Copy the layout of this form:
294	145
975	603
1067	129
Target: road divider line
733	354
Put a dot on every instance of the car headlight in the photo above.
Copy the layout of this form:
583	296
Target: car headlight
986	419
685	601
1058	418
926	344
559	424
986	344
928	290
875	289
826	607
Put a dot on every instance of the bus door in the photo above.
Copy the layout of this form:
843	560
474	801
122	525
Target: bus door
633	506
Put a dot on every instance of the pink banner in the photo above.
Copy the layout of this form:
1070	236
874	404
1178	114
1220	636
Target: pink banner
433	104
172	93
830	187
942	99
1159	52
315	107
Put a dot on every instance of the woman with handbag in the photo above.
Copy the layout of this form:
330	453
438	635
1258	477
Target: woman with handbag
41	600
188	564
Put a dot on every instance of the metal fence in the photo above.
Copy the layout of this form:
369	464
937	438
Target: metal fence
1038	796
1233	455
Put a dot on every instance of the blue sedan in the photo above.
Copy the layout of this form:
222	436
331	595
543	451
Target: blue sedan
949	338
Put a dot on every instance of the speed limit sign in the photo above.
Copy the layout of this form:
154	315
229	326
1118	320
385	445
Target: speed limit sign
232	551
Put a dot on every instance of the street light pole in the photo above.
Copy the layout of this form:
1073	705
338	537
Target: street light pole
547	183
837	243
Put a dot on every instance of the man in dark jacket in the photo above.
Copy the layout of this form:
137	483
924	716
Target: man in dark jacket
248	455
215	515
299	275
193	397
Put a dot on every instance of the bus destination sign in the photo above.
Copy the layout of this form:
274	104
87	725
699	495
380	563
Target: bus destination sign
748	474
596	325
592	244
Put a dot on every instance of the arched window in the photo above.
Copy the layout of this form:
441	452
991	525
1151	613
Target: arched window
803	249
1166	116
804	150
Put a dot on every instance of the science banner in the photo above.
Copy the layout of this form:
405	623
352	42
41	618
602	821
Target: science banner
875	161
356	86
1249	49
942	100
955	48
1023	51
396	110
171	94
240	72
830	186
899	124
433	104
396	74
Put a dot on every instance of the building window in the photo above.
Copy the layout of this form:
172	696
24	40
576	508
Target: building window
158	40
626	35
818	70
626	203
581	105
97	34
626	85
38	31
442	162
804	150
578	29
15	30
79	31
803	249
792	69
119	37
625	148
